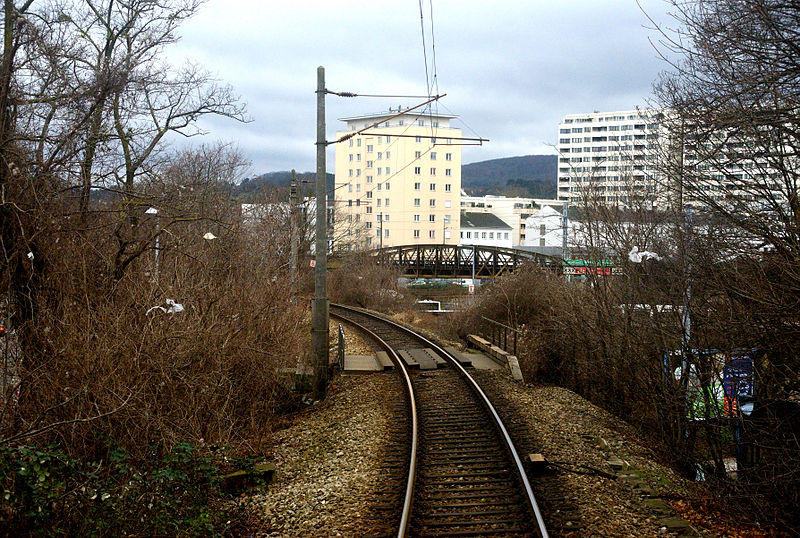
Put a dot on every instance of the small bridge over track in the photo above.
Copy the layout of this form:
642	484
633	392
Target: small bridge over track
460	261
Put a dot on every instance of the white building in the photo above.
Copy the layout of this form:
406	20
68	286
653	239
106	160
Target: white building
484	229
610	156
512	211
544	228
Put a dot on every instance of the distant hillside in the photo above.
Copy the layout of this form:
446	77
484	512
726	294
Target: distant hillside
250	187
529	175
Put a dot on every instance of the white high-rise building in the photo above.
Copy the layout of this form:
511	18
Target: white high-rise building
610	157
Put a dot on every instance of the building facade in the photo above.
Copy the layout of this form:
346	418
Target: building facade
398	180
511	210
486	229
611	157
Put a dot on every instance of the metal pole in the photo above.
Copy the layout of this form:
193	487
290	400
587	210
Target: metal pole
158	246
295	247
319	310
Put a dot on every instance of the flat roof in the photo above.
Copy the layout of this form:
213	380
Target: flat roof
405	112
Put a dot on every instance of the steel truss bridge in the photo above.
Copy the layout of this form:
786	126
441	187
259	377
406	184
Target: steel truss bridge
459	261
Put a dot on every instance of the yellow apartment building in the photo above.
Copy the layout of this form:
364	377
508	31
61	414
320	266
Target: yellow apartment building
398	181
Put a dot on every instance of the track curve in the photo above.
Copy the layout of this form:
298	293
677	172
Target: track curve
465	476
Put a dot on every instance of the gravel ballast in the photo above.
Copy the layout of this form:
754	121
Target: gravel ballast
329	462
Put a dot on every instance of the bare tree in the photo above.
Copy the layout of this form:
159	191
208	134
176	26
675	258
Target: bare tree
733	113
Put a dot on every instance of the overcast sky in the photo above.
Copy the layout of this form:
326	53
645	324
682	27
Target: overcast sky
511	69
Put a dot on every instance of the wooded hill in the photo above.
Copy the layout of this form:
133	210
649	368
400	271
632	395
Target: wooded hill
530	175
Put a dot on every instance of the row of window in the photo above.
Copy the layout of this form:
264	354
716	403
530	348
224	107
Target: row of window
418	171
417	202
379	171
483	235
380	140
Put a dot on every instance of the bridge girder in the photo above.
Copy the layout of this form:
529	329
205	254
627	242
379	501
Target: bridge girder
452	261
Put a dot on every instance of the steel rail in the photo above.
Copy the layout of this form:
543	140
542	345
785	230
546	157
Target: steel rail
408	501
486	402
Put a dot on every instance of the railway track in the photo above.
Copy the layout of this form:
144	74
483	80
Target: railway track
463	475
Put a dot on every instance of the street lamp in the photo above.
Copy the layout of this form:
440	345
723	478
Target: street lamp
154	211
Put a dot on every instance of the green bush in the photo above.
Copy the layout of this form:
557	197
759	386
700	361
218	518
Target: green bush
43	492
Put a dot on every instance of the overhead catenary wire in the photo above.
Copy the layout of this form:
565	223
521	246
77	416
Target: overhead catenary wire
351	94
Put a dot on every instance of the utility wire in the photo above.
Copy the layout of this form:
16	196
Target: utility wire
351	94
424	49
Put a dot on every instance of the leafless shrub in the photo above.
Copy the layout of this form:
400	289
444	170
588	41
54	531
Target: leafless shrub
362	281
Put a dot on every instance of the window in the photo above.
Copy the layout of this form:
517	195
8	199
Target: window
358	157
379	170
387	170
418	139
386	233
448	156
379	186
388	139
417	154
416	218
386	202
447	203
368	225
483	235
417	170
386	217
380	155
416	202
369	179
358	142
388	154
433	186
379	202
369	210
369	194
387	185
431	218
421	123
491	235
416	234
542	229
432	234
358	187
350	172
505	235
351	142
433	171
417	186
447	219
358	172
350	187
351	157
369	148
432	202
469	235
447	171
433	155
369	164
447	187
